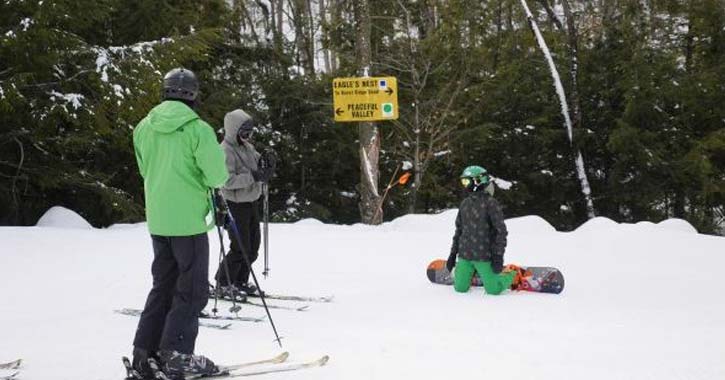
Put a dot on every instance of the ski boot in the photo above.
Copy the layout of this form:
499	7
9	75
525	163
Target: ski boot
176	365
250	289
140	368
231	292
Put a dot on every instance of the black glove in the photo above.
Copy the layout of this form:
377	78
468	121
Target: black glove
451	262
497	263
257	175
268	162
261	175
268	159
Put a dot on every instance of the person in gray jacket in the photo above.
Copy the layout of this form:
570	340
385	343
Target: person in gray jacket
247	171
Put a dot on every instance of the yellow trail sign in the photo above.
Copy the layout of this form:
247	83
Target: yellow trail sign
365	99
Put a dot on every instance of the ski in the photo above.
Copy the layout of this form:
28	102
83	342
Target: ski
11	365
281	358
224	370
279	368
244	300
15	364
283	297
271	296
137	313
278	307
204	315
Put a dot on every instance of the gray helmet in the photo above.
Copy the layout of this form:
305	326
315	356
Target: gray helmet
181	84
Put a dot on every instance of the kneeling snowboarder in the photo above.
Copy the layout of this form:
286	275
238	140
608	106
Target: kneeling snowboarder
479	242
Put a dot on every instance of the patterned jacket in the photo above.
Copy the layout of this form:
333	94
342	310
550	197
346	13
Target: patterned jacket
480	228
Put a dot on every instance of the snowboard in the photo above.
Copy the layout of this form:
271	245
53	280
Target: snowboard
531	279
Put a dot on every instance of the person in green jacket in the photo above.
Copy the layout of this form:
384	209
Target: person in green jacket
479	242
180	161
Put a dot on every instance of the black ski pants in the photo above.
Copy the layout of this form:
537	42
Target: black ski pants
180	270
246	216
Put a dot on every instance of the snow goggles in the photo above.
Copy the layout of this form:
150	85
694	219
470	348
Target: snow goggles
467	181
246	130
246	135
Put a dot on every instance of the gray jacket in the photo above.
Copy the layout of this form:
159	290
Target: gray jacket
480	228
241	160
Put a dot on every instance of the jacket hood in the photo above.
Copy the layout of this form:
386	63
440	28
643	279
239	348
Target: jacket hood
232	122
170	115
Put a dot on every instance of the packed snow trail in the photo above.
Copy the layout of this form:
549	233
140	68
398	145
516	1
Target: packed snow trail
641	301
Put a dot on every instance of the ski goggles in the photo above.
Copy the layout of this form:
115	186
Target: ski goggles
467	181
246	130
246	135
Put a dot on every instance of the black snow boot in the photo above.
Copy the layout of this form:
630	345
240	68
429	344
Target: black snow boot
249	289
230	292
140	364
177	365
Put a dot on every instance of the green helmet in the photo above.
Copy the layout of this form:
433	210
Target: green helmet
478	174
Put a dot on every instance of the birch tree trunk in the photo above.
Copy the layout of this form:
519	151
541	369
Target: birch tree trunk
579	159
370	208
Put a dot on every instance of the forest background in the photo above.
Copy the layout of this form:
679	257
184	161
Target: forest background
645	83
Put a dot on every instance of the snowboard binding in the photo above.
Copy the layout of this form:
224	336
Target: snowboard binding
520	276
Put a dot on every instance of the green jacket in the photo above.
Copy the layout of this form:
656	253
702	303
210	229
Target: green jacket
179	159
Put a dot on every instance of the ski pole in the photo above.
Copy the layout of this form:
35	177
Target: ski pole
222	263
235	230
265	189
267	161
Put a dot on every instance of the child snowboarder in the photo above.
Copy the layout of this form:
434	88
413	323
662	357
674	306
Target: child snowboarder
480	238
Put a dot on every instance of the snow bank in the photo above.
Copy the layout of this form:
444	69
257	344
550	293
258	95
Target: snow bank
444	221
677	225
61	217
598	224
529	225
308	222
602	224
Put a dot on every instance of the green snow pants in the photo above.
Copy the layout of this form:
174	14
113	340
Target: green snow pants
494	283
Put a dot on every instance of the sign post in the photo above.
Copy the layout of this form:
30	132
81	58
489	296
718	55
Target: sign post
365	99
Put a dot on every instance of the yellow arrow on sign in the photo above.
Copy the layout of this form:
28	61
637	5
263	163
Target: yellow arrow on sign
365	99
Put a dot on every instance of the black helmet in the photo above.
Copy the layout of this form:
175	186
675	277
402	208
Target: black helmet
181	84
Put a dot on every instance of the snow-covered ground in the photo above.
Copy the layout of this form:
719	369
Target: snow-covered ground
642	301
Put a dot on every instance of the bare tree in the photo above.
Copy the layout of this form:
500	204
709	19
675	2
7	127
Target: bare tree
552	16
304	36
430	122
325	23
